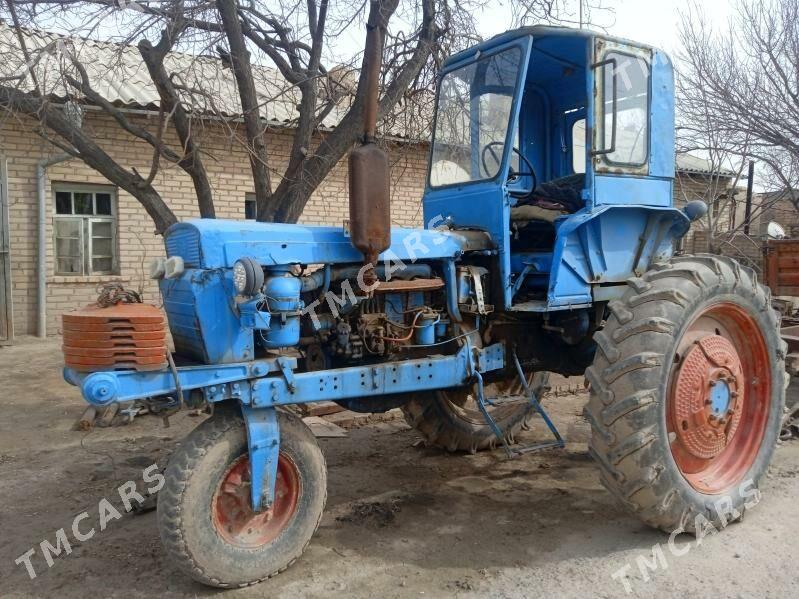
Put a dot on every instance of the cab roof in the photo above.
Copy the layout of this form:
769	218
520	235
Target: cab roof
537	31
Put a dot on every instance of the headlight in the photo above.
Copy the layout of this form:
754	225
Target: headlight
248	277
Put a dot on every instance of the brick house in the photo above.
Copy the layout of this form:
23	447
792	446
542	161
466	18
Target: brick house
697	179
96	233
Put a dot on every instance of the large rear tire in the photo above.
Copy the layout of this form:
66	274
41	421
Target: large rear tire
687	393
450	419
204	516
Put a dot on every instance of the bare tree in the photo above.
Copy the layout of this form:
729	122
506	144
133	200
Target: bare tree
738	94
272	54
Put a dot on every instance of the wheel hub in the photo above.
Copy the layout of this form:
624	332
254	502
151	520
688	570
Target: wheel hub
708	394
233	516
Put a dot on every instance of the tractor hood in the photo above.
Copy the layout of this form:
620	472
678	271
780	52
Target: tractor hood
216	243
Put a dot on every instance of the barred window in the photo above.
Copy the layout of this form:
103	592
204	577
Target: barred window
85	230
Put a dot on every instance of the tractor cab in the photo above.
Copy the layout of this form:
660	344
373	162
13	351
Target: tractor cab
539	131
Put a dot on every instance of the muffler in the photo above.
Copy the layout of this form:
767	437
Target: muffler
370	194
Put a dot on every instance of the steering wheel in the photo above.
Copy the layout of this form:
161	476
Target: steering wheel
511	173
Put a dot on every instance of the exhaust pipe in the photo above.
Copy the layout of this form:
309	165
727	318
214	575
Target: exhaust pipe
370	194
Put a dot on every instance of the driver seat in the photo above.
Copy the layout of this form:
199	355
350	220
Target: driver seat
564	193
551	200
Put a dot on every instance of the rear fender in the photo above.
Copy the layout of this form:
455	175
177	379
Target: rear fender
609	245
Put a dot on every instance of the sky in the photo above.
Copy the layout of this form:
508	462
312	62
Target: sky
657	22
652	22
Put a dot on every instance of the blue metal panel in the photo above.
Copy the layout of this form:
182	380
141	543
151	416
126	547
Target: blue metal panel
661	163
435	372
204	319
624	189
185	242
472	206
220	243
609	245
249	383
263	444
590	123
538	31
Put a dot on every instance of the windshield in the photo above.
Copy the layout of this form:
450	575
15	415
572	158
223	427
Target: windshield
474	110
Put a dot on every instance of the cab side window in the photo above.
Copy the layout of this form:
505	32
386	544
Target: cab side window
631	75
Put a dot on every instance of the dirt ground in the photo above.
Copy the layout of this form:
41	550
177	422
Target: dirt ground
401	521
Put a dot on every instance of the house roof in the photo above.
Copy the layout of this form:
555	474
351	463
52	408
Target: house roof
691	164
118	73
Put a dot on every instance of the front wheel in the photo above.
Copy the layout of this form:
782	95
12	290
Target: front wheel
205	517
687	393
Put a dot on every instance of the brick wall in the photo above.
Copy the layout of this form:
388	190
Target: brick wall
230	176
694	186
781	211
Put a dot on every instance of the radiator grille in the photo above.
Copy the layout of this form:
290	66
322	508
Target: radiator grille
185	242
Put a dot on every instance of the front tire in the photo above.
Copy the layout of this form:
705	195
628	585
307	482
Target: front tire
204	517
687	393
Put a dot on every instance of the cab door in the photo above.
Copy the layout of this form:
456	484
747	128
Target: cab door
476	122
623	116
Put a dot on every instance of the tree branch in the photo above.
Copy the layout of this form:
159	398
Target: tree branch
191	161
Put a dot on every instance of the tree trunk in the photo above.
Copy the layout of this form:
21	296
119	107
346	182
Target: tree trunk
191	162
256	141
298	185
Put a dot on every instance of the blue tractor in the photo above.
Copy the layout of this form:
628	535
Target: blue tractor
549	246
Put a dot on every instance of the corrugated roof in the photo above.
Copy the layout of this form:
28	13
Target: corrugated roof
119	75
688	163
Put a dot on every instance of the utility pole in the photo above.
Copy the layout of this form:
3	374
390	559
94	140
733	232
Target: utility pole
748	209
580	2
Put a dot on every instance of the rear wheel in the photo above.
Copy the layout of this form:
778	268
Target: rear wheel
205	518
451	419
687	392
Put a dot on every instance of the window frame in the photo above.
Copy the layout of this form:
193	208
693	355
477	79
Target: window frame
477	58
602	160
86	229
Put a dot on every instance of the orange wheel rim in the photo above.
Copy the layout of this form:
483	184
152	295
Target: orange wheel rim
718	400
232	513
